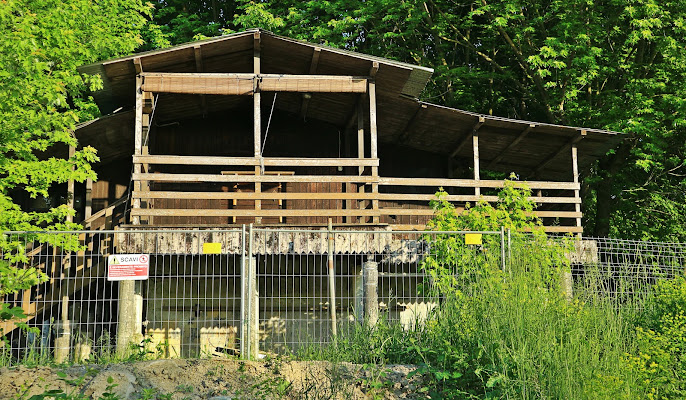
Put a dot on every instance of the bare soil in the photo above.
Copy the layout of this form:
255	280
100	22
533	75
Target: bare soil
217	380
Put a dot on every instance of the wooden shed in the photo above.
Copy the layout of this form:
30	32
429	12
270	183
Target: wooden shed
258	128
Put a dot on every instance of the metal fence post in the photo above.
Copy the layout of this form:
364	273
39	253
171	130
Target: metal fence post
509	249
244	329
502	247
332	280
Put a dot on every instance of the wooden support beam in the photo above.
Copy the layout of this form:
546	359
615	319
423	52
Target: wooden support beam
70	187
475	149
557	229
183	212
137	142
197	52
88	211
246	84
256	213
438	182
575	172
373	136
565	148
163	177
399	197
312	83
373	69
253	161
257	118
360	152
407	130
467	138
138	65
509	147
313	70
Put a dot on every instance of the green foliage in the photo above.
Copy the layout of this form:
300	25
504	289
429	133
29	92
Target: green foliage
512	334
614	64
42	94
660	360
42	98
453	264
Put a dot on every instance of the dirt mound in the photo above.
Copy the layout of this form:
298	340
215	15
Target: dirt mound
216	379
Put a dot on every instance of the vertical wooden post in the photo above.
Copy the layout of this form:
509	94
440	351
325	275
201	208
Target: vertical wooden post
137	142
145	186
130	324
360	154
88	210
477	175
348	185
373	148
575	169
257	119
70	187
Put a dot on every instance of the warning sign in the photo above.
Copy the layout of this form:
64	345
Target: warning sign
472	238
128	267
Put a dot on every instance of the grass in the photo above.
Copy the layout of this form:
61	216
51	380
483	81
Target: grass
515	335
495	334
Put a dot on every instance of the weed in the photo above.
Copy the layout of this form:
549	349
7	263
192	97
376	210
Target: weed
185	388
74	393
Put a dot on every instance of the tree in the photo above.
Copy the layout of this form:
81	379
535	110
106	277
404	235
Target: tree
42	98
614	64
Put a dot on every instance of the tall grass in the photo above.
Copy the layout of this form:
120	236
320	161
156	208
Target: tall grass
510	335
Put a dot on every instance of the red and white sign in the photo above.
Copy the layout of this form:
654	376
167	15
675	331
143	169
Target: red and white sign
128	267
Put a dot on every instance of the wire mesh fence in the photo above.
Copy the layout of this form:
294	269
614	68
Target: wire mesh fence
250	291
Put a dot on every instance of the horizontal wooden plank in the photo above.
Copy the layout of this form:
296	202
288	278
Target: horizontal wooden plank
253	196
255	161
245	84
440	182
251	178
406	211
399	197
548	229
558	214
312	84
540	214
314	212
198	83
250	213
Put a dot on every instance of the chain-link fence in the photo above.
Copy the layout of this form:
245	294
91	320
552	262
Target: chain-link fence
250	291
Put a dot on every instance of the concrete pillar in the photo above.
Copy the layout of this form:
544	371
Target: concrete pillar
567	284
63	341
254	317
371	295
130	326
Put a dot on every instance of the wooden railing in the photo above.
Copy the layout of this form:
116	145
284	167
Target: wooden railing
308	197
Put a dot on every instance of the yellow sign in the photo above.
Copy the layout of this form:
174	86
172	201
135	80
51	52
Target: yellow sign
212	248
472	238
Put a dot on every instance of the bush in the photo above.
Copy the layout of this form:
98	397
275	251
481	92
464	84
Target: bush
504	334
659	361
